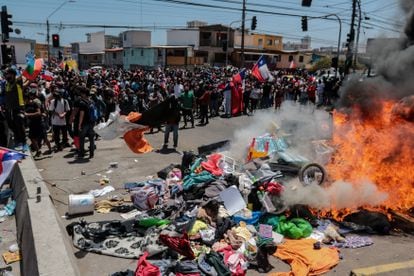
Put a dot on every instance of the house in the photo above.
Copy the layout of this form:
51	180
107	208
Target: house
208	41
151	57
114	57
92	52
41	51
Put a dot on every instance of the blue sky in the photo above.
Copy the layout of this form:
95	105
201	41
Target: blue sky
385	17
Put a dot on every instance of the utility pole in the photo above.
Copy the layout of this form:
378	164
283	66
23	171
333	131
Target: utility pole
359	30
242	38
48	41
349	55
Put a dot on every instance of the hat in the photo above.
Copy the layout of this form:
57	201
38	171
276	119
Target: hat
33	85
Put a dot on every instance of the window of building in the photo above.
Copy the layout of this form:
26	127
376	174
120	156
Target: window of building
269	42
124	53
276	41
300	58
142	52
260	41
132	53
278	58
205	35
159	52
95	57
125	36
85	57
290	58
114	55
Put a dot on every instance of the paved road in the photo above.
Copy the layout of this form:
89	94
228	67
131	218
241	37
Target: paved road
63	174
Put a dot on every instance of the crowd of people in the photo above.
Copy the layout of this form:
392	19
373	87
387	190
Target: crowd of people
71	103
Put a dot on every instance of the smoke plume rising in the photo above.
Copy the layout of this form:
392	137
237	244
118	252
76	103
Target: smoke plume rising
299	124
337	195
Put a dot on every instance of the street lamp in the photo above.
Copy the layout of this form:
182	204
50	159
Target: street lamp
339	39
48	27
228	37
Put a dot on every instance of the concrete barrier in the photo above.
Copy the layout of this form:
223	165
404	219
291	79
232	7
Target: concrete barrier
43	242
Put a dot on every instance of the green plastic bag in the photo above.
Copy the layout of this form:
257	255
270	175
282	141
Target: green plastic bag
296	228
149	222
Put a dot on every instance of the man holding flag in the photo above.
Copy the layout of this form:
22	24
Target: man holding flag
261	71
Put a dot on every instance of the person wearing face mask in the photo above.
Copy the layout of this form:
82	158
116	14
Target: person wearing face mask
14	109
58	108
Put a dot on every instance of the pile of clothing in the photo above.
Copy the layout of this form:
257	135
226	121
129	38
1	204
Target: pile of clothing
197	218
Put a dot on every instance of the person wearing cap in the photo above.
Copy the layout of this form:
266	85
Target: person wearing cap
59	107
14	105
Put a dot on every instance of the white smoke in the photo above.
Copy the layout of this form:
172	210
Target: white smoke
299	124
339	194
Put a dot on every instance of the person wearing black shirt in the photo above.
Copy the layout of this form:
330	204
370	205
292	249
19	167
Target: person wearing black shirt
84	124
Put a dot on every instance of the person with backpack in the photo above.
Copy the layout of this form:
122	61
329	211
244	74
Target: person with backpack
88	116
58	108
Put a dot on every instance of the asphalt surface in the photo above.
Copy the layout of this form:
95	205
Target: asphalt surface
65	175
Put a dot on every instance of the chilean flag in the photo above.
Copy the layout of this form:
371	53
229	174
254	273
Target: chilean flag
239	77
8	160
48	76
260	70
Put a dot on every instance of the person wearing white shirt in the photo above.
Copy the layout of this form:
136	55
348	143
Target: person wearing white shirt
58	108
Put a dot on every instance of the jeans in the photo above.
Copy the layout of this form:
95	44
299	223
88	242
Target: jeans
86	131
174	129
57	131
188	113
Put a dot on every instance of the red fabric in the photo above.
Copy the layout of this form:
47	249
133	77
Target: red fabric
256	73
76	142
145	268
179	244
228	251
274	188
212	164
236	99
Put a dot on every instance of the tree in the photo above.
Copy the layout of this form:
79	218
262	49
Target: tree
323	63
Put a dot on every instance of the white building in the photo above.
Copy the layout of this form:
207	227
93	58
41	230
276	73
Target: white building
135	39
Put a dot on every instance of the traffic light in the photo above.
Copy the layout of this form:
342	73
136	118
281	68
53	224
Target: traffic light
5	24
306	3
254	23
350	37
7	54
334	62
304	23
55	41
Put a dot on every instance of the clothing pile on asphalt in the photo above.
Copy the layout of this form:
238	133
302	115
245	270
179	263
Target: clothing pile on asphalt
211	216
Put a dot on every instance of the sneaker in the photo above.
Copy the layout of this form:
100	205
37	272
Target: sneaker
26	147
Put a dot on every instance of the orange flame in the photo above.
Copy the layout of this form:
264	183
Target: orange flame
379	148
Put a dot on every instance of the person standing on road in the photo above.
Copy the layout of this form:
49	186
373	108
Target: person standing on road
172	122
14	104
86	123
59	107
187	105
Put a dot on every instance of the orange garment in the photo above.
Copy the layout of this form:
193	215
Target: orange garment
133	116
136	141
304	260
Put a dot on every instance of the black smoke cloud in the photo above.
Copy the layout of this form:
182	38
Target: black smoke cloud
393	60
